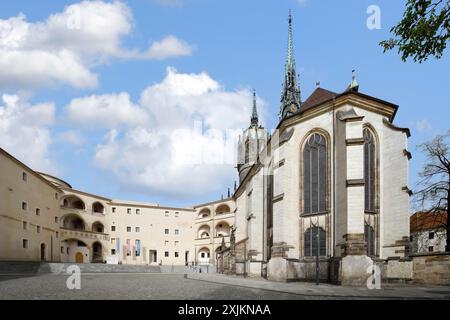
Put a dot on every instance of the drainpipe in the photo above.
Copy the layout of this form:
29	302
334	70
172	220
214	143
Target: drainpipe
334	178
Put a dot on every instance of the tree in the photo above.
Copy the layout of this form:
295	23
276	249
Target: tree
423	31
434	186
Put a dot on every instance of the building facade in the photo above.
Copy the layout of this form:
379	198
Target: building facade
330	184
428	232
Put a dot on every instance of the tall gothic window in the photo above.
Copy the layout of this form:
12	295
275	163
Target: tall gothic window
315	236
369	170
315	174
269	200
369	235
247	151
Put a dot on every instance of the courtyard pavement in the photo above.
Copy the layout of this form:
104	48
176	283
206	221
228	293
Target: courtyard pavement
165	286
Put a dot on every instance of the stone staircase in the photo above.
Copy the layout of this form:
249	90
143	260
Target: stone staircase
22	267
14	267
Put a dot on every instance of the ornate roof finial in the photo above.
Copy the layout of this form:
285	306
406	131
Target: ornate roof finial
354	86
318	84
254	119
290	97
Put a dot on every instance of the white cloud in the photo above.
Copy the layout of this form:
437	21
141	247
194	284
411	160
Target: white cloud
423	125
64	47
71	136
105	111
168	47
187	146
24	131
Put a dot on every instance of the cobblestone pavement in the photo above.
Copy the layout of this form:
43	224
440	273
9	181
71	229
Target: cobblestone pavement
193	287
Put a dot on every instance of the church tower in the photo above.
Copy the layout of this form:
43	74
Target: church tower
291	97
250	143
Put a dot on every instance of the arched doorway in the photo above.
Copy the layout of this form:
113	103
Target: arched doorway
97	252
42	251
79	257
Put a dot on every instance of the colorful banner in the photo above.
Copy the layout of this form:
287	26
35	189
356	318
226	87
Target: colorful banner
128	247
138	248
118	246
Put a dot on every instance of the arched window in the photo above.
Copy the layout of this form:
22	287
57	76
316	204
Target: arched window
369	170
311	242
369	237
315	174
247	151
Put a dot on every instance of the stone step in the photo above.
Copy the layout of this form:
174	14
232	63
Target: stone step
23	267
9	267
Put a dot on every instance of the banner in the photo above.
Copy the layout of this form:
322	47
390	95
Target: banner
138	248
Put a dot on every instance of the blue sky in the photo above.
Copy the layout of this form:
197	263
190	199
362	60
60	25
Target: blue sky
223	49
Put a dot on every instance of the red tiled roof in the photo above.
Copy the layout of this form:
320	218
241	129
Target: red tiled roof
319	96
423	221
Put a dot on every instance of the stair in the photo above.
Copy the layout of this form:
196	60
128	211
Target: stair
23	267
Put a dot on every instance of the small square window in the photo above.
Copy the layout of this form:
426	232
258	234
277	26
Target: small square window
38	229
430	249
24	176
113	228
24	205
128	229
166	254
129	211
113	209
113	251
176	254
56	219
138	229
166	213
166	231
138	211
38	211
166	243
24	225
431	235
176	243
177	231
25	243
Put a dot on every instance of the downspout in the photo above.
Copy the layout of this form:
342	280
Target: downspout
334	178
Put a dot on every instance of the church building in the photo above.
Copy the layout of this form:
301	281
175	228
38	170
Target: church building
330	182
327	191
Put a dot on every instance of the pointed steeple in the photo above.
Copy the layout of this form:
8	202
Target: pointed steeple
290	97
254	119
290	60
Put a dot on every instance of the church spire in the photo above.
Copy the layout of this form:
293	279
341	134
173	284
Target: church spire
290	97
290	60
254	119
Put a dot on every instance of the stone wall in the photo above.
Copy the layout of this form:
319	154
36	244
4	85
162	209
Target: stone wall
431	268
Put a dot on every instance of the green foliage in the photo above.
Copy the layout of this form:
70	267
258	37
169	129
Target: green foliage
423	31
